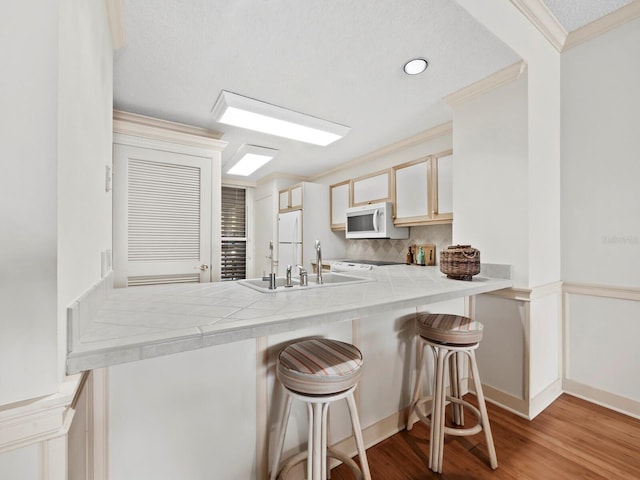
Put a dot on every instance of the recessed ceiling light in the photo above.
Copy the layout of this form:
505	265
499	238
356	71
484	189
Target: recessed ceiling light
244	112
250	158
415	66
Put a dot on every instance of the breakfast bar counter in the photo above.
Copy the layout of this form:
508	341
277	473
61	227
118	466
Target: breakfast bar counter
109	326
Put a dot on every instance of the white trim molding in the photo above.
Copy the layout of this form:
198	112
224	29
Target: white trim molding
425	135
529	294
604	24
544	21
549	26
131	124
495	80
593	290
603	398
115	13
34	421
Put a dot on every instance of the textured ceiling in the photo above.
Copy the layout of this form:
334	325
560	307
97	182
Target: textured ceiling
339	60
573	14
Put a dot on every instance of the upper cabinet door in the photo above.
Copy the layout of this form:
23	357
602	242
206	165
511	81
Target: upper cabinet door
443	208
412	191
339	199
423	190
372	188
290	198
283	199
295	196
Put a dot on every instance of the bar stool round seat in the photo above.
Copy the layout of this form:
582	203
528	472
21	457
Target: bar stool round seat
319	372
449	337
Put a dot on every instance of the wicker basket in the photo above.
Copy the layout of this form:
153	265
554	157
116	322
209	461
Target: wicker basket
460	262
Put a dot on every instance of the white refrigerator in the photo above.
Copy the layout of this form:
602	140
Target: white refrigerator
289	241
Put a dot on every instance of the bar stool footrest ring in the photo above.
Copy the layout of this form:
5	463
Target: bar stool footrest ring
460	432
331	452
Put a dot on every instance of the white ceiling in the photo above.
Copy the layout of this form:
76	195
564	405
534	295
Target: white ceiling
341	61
573	14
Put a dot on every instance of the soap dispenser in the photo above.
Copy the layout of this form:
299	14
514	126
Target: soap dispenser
409	260
420	260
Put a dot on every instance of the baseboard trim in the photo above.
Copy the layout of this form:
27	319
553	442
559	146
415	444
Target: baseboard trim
618	403
545	398
509	402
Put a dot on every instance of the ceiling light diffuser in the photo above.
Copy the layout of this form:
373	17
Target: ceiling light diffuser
415	66
250	158
244	112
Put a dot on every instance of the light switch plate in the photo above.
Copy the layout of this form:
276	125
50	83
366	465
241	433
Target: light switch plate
107	178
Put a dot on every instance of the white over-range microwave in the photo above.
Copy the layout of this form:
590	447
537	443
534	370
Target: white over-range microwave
373	221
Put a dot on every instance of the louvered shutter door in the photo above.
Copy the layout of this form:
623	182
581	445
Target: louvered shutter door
234	234
167	216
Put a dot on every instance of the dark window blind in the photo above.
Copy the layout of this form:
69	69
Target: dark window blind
233	265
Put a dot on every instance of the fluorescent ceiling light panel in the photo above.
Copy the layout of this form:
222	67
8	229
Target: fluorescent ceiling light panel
250	158
244	112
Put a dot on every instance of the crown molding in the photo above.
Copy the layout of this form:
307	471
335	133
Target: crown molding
280	176
495	80
142	126
429	134
596	28
115	14
234	182
544	21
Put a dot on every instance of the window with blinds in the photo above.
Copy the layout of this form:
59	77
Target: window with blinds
233	264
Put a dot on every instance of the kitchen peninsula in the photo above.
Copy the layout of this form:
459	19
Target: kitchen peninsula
112	326
215	399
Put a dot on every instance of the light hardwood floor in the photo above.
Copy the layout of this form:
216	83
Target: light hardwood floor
571	439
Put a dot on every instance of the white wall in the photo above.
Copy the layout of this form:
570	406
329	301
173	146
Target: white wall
28	189
601	215
55	135
490	171
190	415
600	167
84	132
21	464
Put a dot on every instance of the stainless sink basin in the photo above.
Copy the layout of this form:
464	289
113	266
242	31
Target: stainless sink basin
329	279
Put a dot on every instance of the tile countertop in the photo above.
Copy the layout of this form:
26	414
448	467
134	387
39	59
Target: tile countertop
108	326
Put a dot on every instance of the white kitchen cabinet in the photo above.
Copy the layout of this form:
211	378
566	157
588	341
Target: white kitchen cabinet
290	198
423	192
339	201
372	188
412	191
314	204
444	168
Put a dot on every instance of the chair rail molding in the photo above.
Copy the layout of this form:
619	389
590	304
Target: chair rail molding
34	421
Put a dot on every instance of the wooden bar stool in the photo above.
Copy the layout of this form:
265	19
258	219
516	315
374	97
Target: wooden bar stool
318	372
450	337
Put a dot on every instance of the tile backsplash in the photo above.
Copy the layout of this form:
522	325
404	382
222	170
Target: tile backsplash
396	250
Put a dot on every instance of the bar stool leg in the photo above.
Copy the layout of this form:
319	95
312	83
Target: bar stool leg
417	391
493	459
315	450
357	433
325	417
437	417
285	411
309	440
456	389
